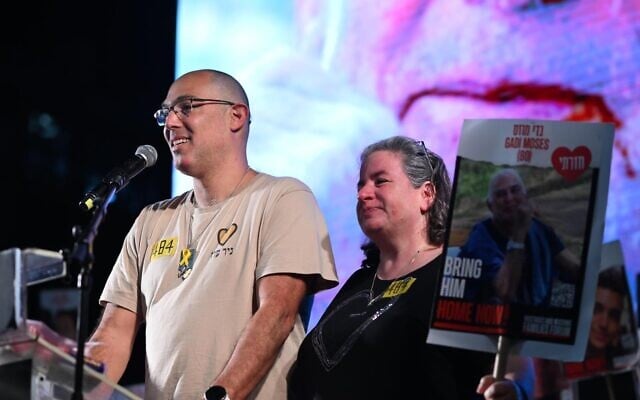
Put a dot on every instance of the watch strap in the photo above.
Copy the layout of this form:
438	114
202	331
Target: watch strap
513	245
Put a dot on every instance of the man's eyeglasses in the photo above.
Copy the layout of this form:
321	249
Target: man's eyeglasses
425	152
184	107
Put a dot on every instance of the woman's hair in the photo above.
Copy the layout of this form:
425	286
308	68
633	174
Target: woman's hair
420	165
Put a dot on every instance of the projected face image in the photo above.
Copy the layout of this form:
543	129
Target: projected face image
351	74
520	59
560	60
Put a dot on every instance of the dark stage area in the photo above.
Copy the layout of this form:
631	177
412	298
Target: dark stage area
80	84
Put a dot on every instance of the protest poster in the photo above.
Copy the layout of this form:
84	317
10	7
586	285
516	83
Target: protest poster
524	236
613	335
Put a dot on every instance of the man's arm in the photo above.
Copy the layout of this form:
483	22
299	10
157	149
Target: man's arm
113	339
508	278
279	299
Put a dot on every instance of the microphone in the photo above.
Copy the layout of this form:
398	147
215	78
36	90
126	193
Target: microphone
146	156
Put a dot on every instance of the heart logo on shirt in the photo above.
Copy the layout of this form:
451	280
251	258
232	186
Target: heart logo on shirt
571	164
225	233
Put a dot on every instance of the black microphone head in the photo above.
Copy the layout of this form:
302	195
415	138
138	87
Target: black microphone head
149	154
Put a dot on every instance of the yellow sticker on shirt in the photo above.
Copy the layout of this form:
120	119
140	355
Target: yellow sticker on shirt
164	247
396	288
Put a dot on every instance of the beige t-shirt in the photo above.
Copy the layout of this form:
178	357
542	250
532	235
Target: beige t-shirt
272	226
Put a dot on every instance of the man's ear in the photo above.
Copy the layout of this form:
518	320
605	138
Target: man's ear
239	116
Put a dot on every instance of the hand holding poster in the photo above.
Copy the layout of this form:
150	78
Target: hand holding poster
525	227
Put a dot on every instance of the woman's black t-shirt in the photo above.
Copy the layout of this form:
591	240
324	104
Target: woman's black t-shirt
371	344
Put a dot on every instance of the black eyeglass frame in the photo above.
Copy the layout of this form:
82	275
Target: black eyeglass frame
162	114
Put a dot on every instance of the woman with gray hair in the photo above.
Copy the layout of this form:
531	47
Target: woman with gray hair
370	342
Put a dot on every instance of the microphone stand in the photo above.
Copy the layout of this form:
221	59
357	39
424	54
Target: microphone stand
82	257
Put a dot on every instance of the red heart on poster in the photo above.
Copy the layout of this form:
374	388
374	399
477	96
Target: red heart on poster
571	164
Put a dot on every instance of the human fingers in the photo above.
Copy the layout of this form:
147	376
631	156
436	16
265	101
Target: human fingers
484	384
501	390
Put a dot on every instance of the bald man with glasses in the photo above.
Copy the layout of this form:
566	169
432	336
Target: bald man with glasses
217	275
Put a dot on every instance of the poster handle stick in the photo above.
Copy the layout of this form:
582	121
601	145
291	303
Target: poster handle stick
612	395
502	356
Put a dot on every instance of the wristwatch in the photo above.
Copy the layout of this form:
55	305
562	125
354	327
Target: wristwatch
216	393
511	245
